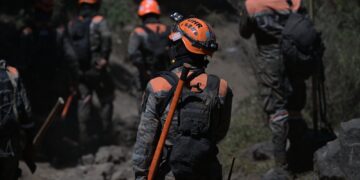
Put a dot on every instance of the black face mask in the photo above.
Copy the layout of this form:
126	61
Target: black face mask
180	55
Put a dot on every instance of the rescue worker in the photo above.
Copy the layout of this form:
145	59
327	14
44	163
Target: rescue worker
192	40
283	94
147	48
43	61
15	115
90	37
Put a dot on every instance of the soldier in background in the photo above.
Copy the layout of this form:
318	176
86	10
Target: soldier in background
283	93
90	37
147	48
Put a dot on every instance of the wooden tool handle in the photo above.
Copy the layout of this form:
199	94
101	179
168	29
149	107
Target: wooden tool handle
67	106
165	130
56	109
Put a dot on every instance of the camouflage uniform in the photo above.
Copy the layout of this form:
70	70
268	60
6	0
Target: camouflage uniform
138	55
283	95
18	118
92	79
151	123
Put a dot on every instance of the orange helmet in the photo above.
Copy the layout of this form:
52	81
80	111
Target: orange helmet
197	36
88	1
44	5
148	6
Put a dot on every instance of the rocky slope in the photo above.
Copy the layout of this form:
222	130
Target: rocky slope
340	159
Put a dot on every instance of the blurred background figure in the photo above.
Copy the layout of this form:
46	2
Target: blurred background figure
15	115
90	37
44	61
147	48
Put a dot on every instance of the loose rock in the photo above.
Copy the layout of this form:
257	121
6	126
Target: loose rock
262	151
340	159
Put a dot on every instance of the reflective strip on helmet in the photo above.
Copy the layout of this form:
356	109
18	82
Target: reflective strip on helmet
175	36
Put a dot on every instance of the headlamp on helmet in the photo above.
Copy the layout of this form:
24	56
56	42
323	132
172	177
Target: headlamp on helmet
195	33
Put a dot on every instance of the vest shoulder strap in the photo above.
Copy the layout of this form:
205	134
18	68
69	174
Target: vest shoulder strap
213	84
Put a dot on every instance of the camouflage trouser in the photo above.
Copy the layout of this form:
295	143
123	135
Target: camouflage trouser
9	168
101	83
282	96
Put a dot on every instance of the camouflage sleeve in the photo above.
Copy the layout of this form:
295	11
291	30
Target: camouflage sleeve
134	52
70	58
106	43
147	135
225	115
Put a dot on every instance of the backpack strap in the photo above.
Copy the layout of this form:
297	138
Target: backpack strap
195	74
172	79
213	84
169	76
